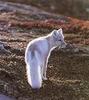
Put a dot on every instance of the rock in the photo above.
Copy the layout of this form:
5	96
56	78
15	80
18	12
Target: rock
4	97
3	50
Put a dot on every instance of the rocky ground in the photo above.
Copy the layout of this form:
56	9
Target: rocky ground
68	69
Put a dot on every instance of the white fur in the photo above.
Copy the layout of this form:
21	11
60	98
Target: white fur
37	54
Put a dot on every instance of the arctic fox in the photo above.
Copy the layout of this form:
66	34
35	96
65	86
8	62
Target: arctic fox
37	54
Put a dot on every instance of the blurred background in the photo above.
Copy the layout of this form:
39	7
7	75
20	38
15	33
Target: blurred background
73	8
68	70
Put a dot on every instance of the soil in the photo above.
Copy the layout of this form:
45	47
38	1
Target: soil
68	69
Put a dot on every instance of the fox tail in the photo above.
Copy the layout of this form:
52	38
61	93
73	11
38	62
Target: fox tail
34	75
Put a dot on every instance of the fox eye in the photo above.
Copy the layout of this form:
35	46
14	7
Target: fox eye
59	39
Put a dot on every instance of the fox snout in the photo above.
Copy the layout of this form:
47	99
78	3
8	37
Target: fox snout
63	44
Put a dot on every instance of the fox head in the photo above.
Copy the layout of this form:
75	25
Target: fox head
58	38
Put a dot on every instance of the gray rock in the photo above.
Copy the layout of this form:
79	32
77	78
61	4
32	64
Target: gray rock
4	97
2	49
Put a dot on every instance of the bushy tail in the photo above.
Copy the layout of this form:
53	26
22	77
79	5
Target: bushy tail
34	73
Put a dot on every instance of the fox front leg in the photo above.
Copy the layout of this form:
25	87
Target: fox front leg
45	69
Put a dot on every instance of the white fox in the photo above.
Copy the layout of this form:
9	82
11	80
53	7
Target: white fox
37	54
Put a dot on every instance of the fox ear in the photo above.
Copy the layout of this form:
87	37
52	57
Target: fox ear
54	32
60	30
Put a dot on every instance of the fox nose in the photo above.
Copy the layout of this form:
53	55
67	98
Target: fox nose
65	43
